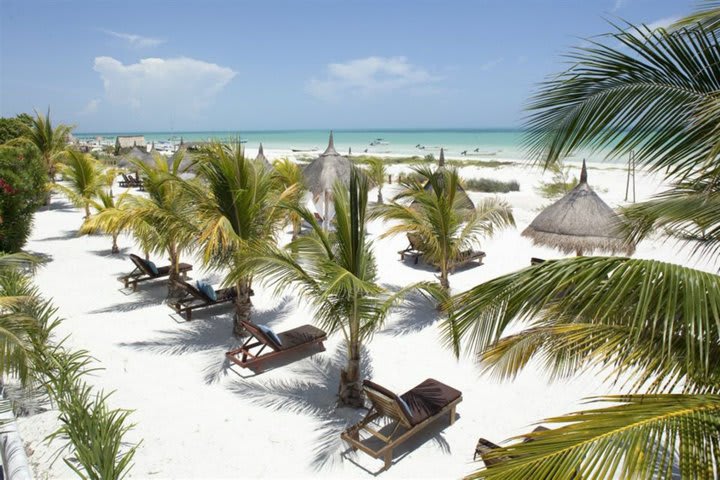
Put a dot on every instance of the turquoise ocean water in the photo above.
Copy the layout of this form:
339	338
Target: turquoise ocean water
477	143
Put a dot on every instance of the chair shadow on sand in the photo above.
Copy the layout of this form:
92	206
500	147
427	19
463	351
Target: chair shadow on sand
311	389
149	295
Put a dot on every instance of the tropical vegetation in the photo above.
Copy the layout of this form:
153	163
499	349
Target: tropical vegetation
435	210
335	272
113	220
85	179
653	324
92	434
22	192
290	175
377	174
236	207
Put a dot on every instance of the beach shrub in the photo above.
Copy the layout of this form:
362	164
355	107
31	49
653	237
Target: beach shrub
491	186
12	128
22	191
561	182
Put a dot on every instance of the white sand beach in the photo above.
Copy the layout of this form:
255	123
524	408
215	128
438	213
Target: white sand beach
198	417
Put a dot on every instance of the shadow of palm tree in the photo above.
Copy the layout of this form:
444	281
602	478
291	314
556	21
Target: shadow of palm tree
60	206
147	295
107	252
416	313
65	235
311	390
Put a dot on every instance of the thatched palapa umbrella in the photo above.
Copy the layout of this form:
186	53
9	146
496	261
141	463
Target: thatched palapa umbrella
322	174
262	159
136	154
465	201
579	222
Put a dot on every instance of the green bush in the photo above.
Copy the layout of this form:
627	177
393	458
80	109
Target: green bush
491	186
22	191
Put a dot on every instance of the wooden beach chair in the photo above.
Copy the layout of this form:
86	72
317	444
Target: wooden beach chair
195	299
130	181
536	261
261	347
466	257
413	250
408	414
143	272
484	448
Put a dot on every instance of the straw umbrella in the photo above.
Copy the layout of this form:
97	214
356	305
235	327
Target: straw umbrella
322	174
136	154
579	222
465	201
262	159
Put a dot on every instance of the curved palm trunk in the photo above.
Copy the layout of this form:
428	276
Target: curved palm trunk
243	306
87	211
380	197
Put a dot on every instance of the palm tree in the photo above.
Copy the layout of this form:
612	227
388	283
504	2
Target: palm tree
161	222
111	217
336	273
441	214
289	174
237	207
19	327
49	141
377	173
85	179
656	323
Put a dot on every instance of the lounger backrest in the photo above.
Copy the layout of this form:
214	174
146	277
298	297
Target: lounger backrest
486	448
260	335
191	290
386	402
142	265
415	241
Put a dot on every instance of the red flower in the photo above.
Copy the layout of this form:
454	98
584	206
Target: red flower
6	187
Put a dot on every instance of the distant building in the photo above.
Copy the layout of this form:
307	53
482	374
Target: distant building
129	141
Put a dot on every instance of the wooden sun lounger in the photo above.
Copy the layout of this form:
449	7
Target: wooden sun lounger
250	354
485	446
195	299
142	272
129	181
414	250
536	261
409	413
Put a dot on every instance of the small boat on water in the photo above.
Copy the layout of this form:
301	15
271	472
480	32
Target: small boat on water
379	141
299	150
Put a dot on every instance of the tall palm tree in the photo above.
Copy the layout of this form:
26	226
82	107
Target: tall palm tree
51	142
656	323
377	173
442	216
289	174
237	208
111	217
85	178
336	273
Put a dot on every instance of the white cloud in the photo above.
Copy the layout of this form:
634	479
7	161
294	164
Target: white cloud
91	107
136	40
490	65
157	84
618	5
369	76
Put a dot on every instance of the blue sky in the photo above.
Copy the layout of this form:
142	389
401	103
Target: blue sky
295	64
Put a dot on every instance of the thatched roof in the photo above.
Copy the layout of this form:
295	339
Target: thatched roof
261	158
136	154
462	196
580	222
125	141
323	172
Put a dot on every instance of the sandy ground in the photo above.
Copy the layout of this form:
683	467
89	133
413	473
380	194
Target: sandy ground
199	418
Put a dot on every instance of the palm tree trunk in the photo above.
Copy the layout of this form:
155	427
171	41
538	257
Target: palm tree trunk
87	211
173	290
243	307
115	248
380	197
351	393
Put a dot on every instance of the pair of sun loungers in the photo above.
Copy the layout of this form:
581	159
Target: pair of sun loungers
415	250
130	181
